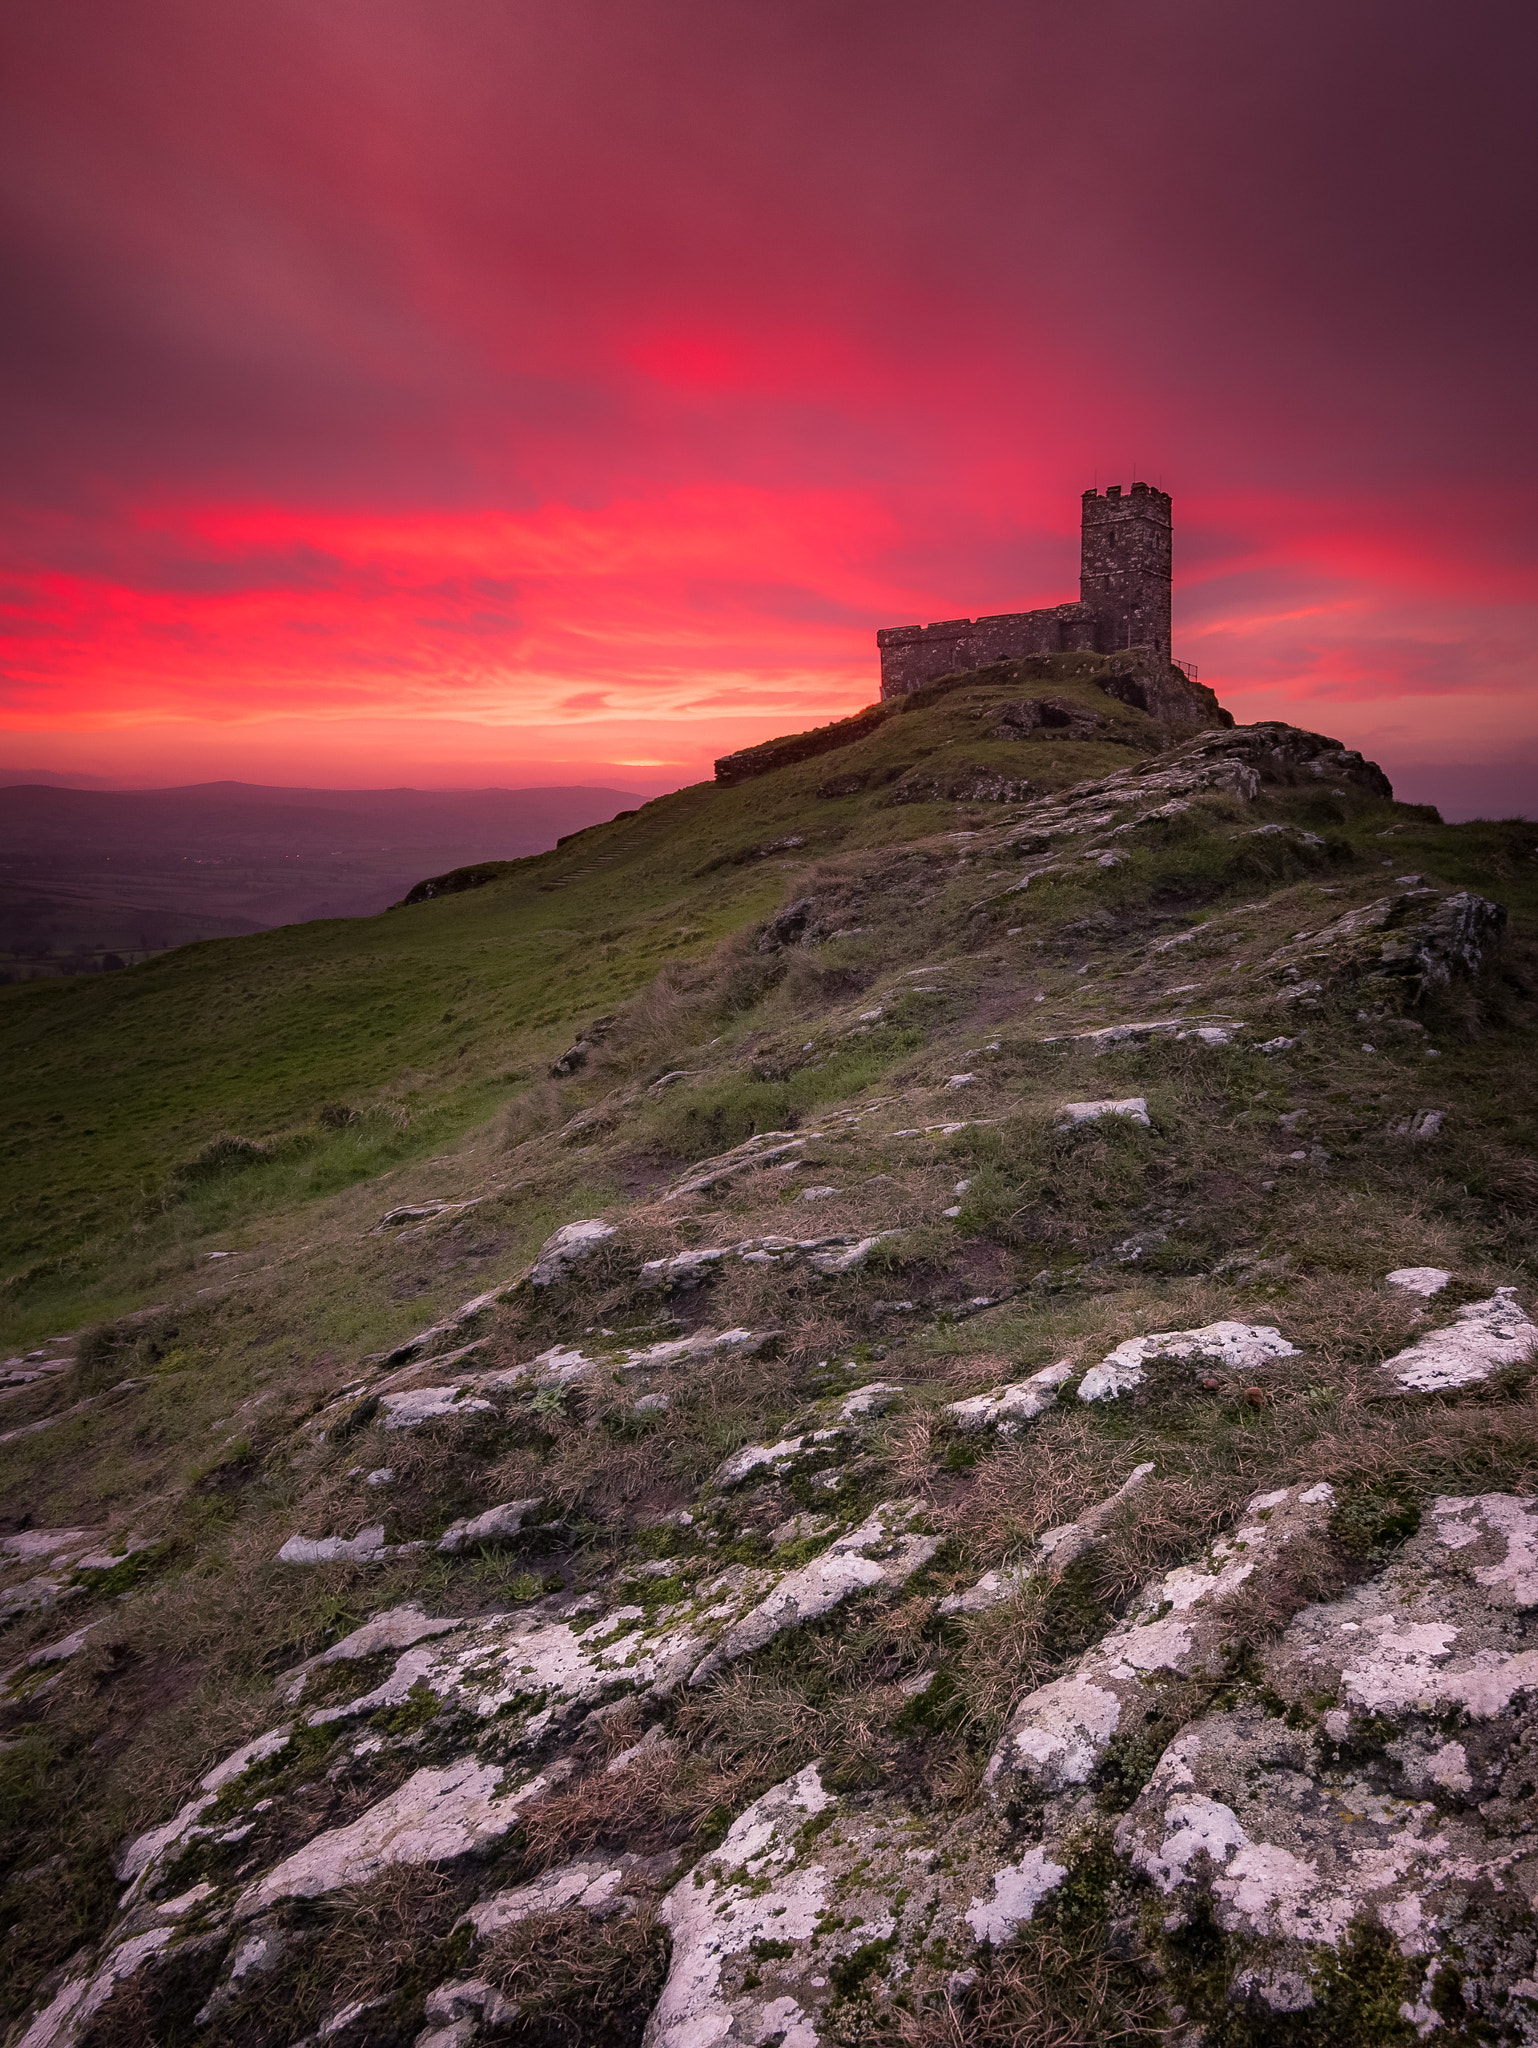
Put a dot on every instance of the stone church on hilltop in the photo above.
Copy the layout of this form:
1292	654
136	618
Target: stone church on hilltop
1124	602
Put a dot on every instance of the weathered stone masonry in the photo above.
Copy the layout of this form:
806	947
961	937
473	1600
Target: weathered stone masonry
1124	602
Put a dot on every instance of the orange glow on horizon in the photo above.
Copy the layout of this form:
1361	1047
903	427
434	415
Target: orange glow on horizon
421	395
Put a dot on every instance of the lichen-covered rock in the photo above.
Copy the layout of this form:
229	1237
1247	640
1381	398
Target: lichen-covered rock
493	1526
1422	1280
1143	1031
72	2007
1459	937
146	1850
1176	1628
1384	1779
50	1653
1133	1107
808	1899
596	1885
1009	1409
873	1399
774	1461
1237	1347
1486	1337
560	1365
1016	1891
455	2013
424	1340
684	1269
839	1253
1412	941
410	1407
566	1248
852	1257
767	1148
435	1817
889	1545
397	1629
367	1547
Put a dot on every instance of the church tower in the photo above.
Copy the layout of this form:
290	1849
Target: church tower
1124	567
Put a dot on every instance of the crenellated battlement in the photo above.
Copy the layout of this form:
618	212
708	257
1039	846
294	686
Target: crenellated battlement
1124	601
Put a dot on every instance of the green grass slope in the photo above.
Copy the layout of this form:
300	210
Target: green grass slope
427	1018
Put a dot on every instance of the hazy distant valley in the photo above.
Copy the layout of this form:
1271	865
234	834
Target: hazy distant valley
95	878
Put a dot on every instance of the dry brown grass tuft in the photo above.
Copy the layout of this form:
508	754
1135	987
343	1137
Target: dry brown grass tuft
1004	1656
601	1459
371	1942
374	1933
1167	1520
1311	1568
657	1802
579	1979
910	1452
1427	1446
836	1695
536	1111
753	1722
1051	1990
688	1002
968	1371
1035	1482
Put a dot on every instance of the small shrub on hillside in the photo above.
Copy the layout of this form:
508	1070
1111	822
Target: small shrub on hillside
112	1351
225	1154
711	1120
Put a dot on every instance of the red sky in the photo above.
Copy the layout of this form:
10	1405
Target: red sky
444	391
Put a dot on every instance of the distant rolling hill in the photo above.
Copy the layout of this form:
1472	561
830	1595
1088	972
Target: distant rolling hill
91	877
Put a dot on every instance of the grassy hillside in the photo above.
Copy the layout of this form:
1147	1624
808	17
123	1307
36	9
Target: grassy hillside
429	1017
832	1022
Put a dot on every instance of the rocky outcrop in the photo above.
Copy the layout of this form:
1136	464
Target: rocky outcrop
576	1057
568	1247
1412	943
959	783
1231	1347
1177	1628
496	1525
1486	1337
367	1547
1133	1107
1383	1787
1009	1409
889	1545
841	1252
